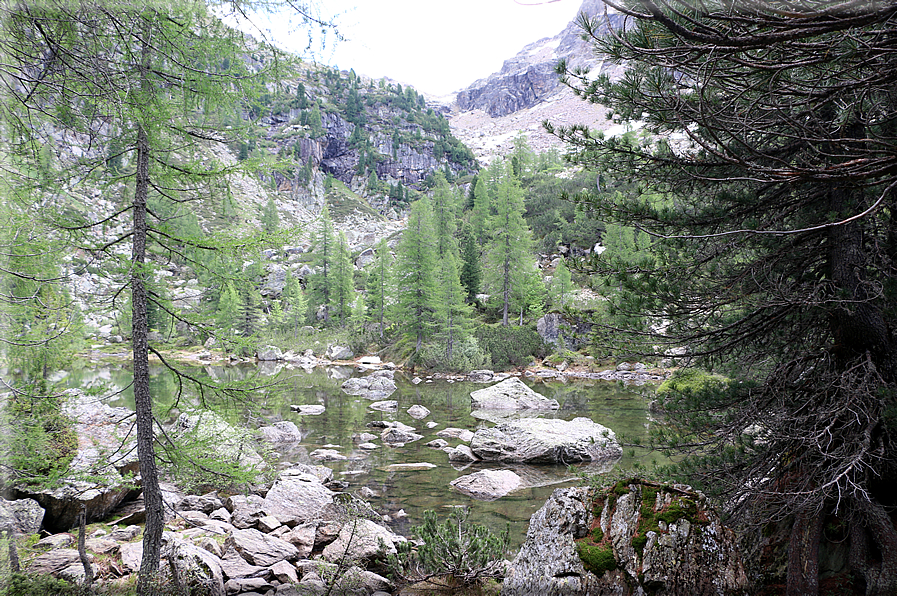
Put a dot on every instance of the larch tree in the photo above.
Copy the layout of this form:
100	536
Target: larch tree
378	290
343	284
769	193
156	82
415	275
321	282
509	252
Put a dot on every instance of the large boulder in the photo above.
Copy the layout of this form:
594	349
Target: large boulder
208	433
557	330
639	538
374	386
259	548
196	567
546	441
21	517
362	539
511	394
299	494
335	352
96	476
487	485
284	431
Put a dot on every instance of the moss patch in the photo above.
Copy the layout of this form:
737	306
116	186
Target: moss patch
596	558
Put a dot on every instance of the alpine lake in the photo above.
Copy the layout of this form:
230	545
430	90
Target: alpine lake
403	495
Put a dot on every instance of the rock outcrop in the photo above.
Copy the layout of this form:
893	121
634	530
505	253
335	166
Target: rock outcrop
106	451
555	329
634	538
546	441
511	394
529	77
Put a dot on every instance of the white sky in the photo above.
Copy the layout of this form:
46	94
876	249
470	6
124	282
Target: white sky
437	47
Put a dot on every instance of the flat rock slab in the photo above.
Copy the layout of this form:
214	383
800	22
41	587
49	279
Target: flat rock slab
259	548
361	539
410	467
309	409
487	485
511	394
546	441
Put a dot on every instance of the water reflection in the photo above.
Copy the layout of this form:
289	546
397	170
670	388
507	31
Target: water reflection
403	494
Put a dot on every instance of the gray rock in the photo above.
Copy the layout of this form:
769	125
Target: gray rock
105	434
456	433
385	406
418	412
125	534
554	329
205	503
360	540
487	485
269	354
511	394
462	454
281	432
303	538
437	444
53	562
284	572
481	376
327	455
373	386
546	441
308	409
687	556
260	549
397	435
297	493
55	541
23	516
335	352
131	554
196	566
235	566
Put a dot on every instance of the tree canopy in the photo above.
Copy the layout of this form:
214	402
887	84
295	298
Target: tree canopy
767	183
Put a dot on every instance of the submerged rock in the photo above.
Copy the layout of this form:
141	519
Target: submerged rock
546	441
487	485
511	394
374	386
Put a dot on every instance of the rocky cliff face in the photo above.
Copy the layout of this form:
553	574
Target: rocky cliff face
529	77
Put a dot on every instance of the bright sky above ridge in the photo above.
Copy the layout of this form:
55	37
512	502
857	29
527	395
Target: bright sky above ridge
437	47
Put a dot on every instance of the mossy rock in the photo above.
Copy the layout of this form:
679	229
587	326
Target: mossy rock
692	381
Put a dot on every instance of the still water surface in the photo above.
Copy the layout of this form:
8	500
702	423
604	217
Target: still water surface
413	491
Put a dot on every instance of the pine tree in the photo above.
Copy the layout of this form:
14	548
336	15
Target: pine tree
444	215
270	218
416	287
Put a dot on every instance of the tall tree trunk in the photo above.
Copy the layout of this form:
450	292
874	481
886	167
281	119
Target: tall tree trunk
143	403
803	555
82	549
880	527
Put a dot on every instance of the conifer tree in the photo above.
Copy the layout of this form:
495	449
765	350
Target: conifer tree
453	311
510	255
416	287
343	293
471	270
378	291
561	285
155	79
321	283
444	215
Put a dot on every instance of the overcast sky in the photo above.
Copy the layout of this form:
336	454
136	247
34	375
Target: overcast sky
437	47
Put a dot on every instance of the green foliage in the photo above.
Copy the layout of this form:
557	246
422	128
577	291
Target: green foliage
456	549
597	559
691	382
21	584
270	219
415	275
509	347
